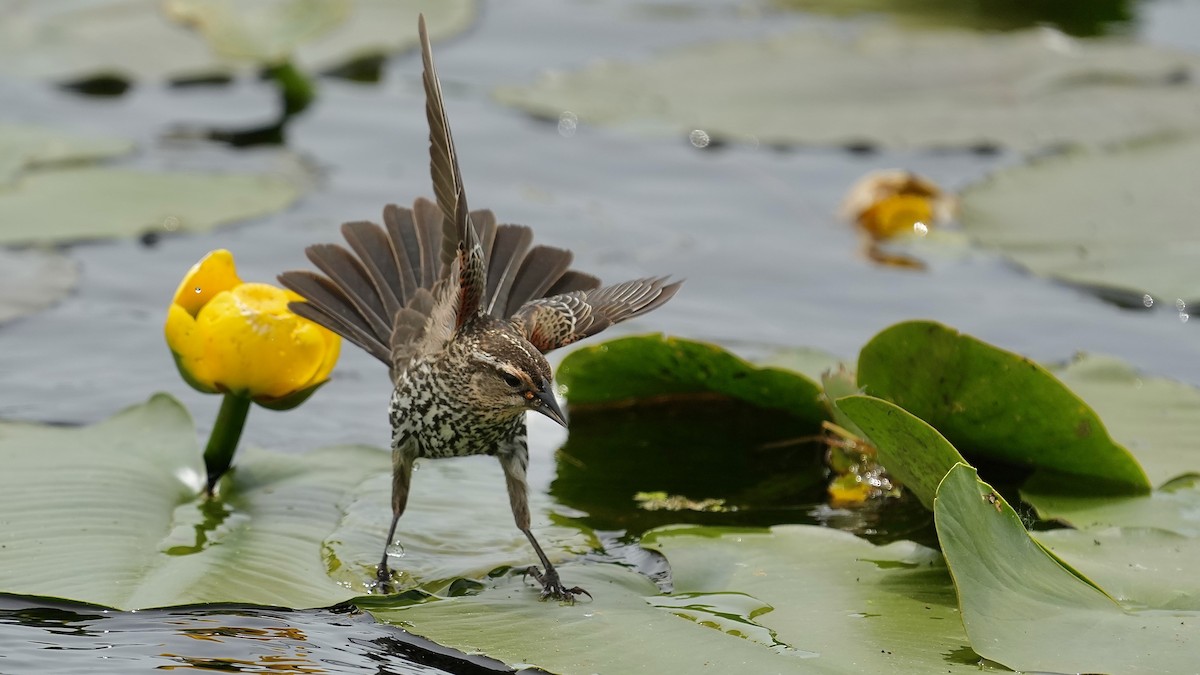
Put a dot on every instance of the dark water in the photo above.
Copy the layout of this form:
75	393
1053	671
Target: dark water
768	266
44	637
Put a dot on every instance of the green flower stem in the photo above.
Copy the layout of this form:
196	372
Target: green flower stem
224	439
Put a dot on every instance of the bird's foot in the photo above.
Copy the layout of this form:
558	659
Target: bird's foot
552	587
383	580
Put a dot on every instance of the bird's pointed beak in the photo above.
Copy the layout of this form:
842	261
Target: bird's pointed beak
548	406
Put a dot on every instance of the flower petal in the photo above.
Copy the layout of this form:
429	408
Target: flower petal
188	345
214	273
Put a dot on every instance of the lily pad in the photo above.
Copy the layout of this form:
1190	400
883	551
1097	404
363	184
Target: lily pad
81	203
794	599
889	87
137	39
655	368
907	446
1077	17
32	280
991	403
1122	218
1156	418
24	146
109	514
1142	568
1024	609
1174	507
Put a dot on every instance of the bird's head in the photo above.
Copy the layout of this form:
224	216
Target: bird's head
511	376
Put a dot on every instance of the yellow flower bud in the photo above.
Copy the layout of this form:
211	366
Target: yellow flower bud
240	338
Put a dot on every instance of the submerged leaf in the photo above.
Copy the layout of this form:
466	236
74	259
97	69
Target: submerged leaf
24	146
32	280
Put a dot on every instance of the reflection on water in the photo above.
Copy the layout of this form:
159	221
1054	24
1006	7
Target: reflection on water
215	638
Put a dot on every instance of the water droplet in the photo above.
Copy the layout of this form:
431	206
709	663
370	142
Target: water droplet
1183	317
1147	300
921	229
568	122
395	551
170	223
699	138
197	289
1180	305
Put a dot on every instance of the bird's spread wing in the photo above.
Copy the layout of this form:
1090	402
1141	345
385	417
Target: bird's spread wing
460	241
555	321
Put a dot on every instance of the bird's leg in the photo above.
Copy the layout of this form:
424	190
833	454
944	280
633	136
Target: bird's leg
401	478
514	475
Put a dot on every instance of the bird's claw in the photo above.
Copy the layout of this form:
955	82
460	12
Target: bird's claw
552	587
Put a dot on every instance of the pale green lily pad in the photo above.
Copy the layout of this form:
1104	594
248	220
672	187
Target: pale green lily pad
109	514
137	39
886	86
24	146
32	280
82	203
1142	568
794	599
1121	219
1156	418
1024	609
1174	507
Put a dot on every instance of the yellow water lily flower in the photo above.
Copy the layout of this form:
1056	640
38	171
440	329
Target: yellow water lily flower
240	338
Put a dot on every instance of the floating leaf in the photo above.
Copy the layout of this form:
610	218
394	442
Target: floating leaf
910	449
995	404
32	280
795	599
658	368
1174	506
1077	17
137	39
109	514
887	86
1122	218
1141	568
24	146
97	202
1024	609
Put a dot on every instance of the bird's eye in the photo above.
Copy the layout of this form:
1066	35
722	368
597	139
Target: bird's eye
511	380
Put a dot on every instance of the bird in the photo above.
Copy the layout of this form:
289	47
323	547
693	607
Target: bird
462	310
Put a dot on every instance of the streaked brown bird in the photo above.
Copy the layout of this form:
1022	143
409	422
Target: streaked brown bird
462	311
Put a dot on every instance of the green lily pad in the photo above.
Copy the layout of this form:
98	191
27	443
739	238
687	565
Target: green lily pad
655	368
1120	215
1026	610
81	203
137	39
907	446
994	404
887	86
109	514
24	146
32	280
794	599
